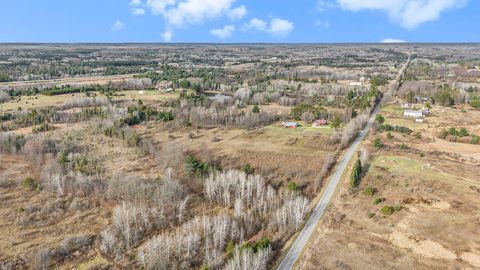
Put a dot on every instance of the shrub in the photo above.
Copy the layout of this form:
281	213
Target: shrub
389	136
370	214
193	166
164	116
378	200
230	249
380	119
247	169
292	186
399	129
397	208
377	143
453	131
387	210
261	244
418	135
403	146
463	132
256	109
42	128
29	183
370	190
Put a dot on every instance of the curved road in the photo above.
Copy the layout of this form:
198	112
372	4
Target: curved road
297	247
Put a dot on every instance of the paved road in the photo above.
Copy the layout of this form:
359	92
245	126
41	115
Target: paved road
302	239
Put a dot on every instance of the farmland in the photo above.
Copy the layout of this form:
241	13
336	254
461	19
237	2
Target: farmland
146	156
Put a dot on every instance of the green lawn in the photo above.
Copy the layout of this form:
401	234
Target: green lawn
392	110
405	166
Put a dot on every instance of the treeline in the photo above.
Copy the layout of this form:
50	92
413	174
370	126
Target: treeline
50	116
52	89
343	136
444	95
461	135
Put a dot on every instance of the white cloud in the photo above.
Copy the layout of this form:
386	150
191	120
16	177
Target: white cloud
276	27
237	13
118	25
392	40
256	24
224	32
158	6
323	5
280	27
323	24
136	3
180	13
408	13
167	36
138	11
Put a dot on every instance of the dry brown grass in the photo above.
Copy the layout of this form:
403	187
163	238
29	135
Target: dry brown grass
438	191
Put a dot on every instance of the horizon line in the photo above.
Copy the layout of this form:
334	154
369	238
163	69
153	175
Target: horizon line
240	43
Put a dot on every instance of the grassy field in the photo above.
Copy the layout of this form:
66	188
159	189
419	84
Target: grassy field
304	129
42	101
431	226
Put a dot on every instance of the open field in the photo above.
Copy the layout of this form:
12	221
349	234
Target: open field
433	226
42	101
158	157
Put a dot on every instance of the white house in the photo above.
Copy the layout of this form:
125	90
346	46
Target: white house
413	113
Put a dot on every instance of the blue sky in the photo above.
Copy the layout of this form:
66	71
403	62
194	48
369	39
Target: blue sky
235	21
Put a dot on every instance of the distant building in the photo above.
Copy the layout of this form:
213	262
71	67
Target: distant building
413	113
419	120
319	123
290	125
141	92
406	105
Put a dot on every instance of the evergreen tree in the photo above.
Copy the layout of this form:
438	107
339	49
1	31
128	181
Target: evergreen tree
356	174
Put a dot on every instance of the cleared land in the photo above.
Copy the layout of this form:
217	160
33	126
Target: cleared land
434	226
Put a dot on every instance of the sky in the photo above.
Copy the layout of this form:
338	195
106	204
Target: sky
240	21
